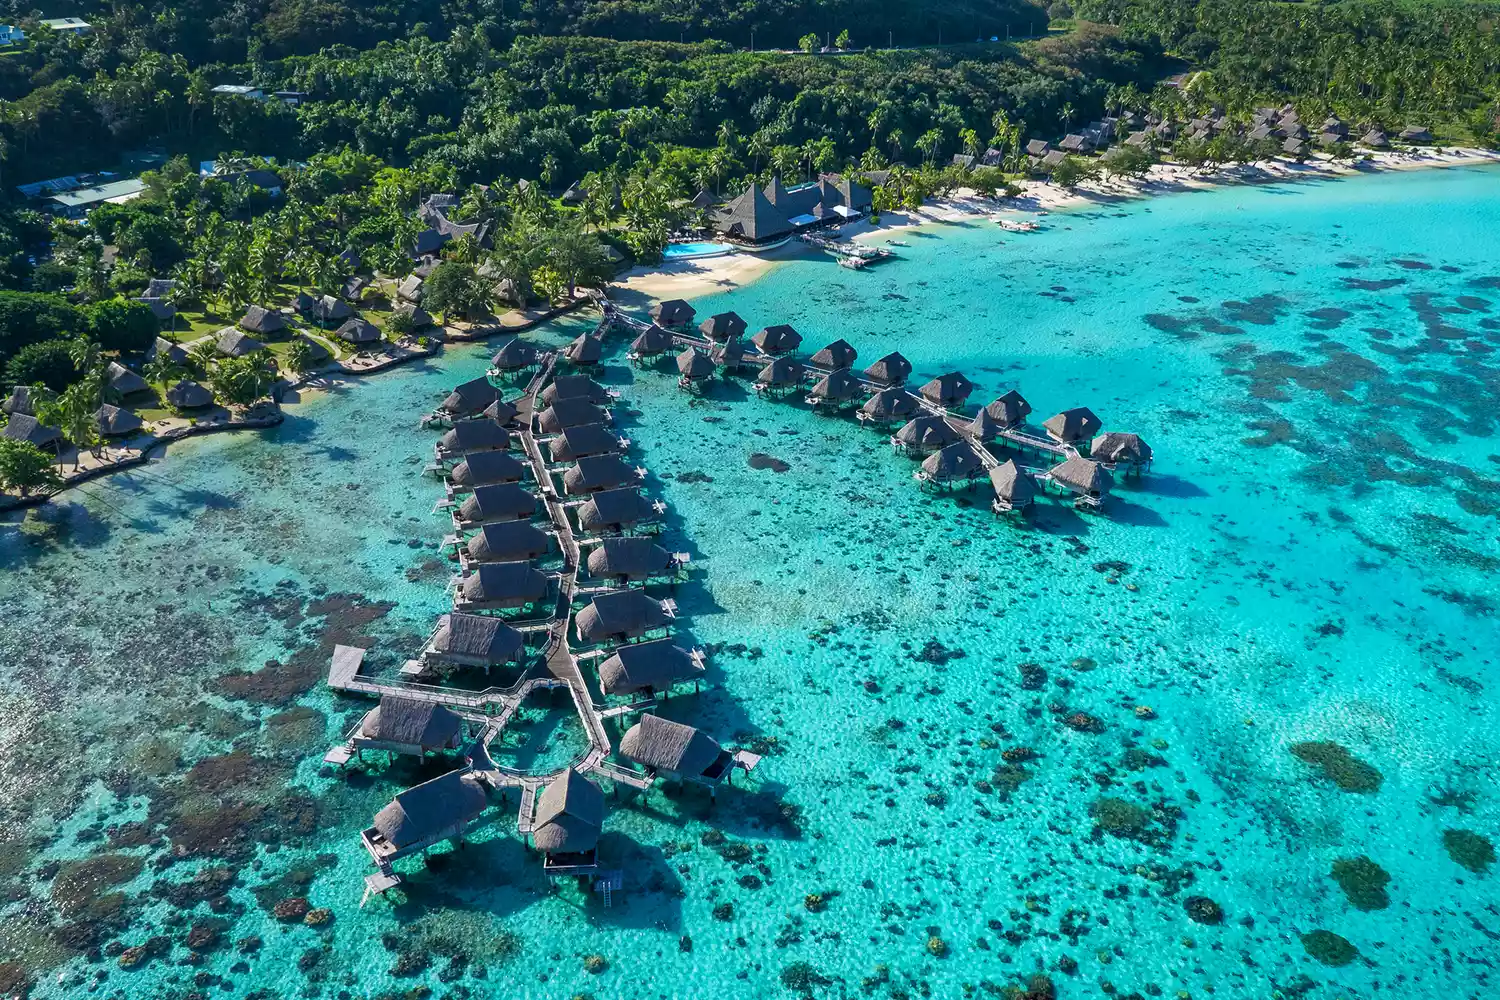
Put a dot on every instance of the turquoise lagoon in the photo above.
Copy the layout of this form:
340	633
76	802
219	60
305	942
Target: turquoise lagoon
1311	561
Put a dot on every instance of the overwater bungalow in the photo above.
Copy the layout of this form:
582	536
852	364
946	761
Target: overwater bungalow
729	356
1072	426
674	314
507	541
630	560
983	427
489	504
1086	479
653	342
585	351
838	388
189	395
485	468
836	355
584	441
569	818
601	472
19	400
1014	488
647	668
614	510
948	391
777	340
924	435
779	377
1009	410
25	427
358	330
1117	448
889	405
501	412
672	750
620	616
514	356
124	381
163	346
891	370
571	412
408	726
259	319
481	641
723	326
501	587
424	815
235	343
694	367
954	465
114	421
469	436
574	387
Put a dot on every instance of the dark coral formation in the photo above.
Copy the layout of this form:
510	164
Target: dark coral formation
1474	851
1363	882
1329	948
1339	766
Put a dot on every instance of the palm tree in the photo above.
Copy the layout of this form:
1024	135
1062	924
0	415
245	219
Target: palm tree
896	138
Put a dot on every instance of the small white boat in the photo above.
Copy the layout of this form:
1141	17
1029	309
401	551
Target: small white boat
899	243
1013	226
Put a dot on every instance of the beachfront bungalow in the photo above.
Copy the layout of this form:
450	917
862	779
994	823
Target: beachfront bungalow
948	391
584	441
613	510
124	381
924	435
407	726
235	343
485	468
1075	143
420	318
673	314
425	815
1415	133
514	356
569	412
694	367
114	421
780	376
358	330
469	398
1014	488
722	327
259	319
620	616
25	427
956	463
503	586
489	504
653	342
672	750
163	346
1072	426
599	473
19	400
891	370
323	308
1086	479
838	388
317	351
1294	147
586	351
1010	410
630	560
647	667
569	817
469	436
410	289
1038	148
482	641
189	395
777	340
1375	139
507	541
1117	448
836	355
574	387
889	405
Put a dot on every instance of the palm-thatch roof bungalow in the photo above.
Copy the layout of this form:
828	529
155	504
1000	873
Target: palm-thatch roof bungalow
514	356
836	355
585	351
601	472
501	502
501	586
613	510
1014	488
729	356
723	326
619	616
1009	410
1087	479
1415	133
948	391
567	413
1072	426
630	560
259	319
475	641
469	436
983	427
317	351
695	367
410	289
569	818
501	412
469	398
889	405
235	343
777	340
25	427
1116	447
189	395
954	464
647	667
486	468
673	314
19	400
653	342
779	376
114	421
323	308
574	387
673	750
835	389
507	541
160	308
358	330
924	435
163	346
124	381
1376	139
583	441
424	815
891	370
408	726
420	318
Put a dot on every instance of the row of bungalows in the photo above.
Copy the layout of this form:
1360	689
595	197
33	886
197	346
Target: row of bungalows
766	218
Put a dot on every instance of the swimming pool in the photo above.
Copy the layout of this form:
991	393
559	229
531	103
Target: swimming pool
679	251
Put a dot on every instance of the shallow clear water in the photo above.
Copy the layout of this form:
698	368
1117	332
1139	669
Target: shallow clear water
1313	558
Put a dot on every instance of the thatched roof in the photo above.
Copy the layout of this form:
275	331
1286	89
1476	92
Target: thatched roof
752	217
188	395
176	352
618	615
1082	476
424	811
839	384
567	413
728	354
583	441
983	427
657	664
1011	483
419	316
317	352
781	372
778	339
704	199
19	400
838	354
1116	446
514	355
927	432
574	387
585	350
601	472
123	380
613	510
324	308
25	427
1009	409
479	637
358	331
948	390
652	341
673	313
1077	424
259	319
410	288
487	468
114	421
723	326
508	541
631	558
469	397
957	461
500	412
468	436
501	502
407	720
893	369
569	815
1375	139
235	343
1415	133
890	404
693	364
663	745
506	584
